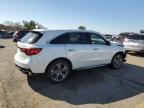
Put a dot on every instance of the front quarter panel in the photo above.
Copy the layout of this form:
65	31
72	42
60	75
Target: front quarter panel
116	47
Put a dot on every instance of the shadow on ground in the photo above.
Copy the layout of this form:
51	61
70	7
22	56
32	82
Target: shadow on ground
100	85
2	46
137	54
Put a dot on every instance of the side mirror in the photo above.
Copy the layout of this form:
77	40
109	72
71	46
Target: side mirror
108	43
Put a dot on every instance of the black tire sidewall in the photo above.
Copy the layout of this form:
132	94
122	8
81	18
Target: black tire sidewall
48	71
112	63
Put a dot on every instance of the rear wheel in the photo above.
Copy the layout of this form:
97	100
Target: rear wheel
58	71
117	61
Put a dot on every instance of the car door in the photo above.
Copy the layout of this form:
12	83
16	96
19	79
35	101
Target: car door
78	49
101	50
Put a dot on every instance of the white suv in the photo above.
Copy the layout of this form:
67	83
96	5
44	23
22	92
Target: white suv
57	52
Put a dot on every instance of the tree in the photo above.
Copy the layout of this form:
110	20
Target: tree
39	26
12	26
18	26
82	28
29	25
24	25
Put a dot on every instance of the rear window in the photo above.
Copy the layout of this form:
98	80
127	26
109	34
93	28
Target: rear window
136	37
31	37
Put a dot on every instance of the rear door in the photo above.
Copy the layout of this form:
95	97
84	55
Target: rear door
78	49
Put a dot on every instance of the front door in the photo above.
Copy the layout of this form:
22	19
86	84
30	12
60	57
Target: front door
101	52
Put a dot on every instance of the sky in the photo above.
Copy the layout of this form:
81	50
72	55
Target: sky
105	16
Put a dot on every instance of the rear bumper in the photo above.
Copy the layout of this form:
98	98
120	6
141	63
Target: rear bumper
20	63
22	66
34	64
23	70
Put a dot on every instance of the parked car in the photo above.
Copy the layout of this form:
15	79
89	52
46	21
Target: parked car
134	42
10	34
18	35
7	34
57	52
108	36
3	34
118	38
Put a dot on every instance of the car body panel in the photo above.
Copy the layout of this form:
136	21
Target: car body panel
136	45
80	56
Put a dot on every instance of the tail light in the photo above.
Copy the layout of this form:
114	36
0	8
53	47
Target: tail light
31	51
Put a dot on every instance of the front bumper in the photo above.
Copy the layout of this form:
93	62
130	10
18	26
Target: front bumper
125	57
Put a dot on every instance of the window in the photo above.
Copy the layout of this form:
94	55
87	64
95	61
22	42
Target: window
31	37
60	39
136	37
97	39
78	38
72	38
21	34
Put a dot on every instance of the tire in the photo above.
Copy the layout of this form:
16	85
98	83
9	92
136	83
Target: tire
58	71
117	61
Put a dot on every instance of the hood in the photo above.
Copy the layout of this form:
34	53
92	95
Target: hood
116	43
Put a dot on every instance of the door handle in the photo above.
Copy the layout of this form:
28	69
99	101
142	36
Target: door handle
71	50
95	49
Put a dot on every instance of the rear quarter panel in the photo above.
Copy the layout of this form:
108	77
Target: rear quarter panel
48	54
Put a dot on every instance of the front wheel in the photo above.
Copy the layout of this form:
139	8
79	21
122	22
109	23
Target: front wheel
58	71
117	61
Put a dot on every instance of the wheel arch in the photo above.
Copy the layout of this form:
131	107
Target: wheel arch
122	53
60	58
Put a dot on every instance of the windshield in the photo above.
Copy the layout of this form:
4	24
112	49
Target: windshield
31	37
136	37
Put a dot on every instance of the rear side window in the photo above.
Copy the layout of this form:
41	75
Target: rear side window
72	38
23	33
31	37
60	39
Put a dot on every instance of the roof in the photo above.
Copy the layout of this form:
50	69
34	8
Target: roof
64	30
49	34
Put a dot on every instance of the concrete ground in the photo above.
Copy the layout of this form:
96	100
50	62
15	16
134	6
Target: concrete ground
101	87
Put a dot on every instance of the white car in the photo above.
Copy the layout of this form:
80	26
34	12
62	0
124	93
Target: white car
134	42
57	52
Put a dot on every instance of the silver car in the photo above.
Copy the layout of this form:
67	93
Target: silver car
134	42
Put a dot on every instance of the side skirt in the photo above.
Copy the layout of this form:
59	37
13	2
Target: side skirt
90	67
